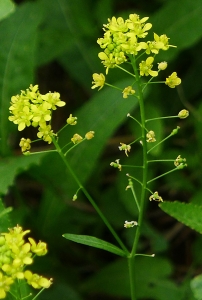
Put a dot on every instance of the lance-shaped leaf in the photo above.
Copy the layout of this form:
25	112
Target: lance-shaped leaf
94	242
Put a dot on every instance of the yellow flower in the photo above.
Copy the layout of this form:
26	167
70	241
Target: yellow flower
72	120
46	133
99	81
39	249
162	65
128	91
76	138
25	144
5	283
172	81
89	135
36	280
146	67
183	114
150	137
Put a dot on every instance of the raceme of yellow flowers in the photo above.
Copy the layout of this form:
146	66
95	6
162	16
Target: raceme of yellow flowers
15	255
125	38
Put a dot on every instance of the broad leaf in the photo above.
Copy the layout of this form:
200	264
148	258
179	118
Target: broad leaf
181	22
187	213
152	280
94	242
10	167
17	60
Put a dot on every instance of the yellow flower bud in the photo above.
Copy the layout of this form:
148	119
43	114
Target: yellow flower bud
72	120
183	114
150	137
162	65
76	138
89	135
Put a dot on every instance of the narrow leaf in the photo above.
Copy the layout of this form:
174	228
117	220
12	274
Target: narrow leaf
94	242
187	213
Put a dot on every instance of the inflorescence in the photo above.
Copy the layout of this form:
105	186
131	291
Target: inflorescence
15	255
31	108
124	39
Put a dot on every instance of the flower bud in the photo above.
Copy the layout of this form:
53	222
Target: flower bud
72	120
162	65
150	137
89	135
183	114
76	138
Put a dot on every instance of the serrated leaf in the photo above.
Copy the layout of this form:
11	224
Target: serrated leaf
10	167
94	242
6	8
187	213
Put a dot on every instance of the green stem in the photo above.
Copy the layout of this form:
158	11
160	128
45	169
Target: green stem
144	177
164	174
38	294
131	74
160	118
104	219
160	142
161	160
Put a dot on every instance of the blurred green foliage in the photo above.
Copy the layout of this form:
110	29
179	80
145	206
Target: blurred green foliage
53	44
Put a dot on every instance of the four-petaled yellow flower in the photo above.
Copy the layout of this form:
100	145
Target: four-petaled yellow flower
99	81
146	67
172	81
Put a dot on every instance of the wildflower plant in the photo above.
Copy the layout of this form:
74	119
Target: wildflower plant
124	46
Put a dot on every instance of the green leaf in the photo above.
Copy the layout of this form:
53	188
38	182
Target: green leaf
187	213
94	242
10	167
7	7
151	280
196	287
17	60
4	217
181	22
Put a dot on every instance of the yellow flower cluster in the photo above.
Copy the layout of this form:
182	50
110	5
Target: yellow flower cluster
123	39
31	108
15	255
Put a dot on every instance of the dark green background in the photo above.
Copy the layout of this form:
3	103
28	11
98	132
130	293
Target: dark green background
53	43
